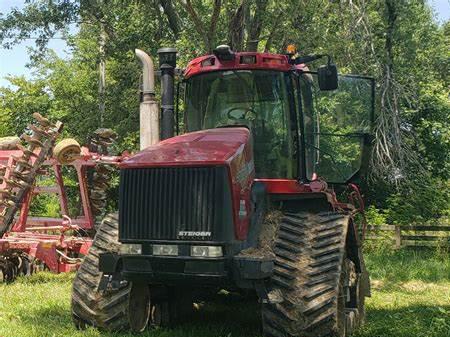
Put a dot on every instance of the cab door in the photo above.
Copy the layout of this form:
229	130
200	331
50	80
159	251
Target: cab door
337	127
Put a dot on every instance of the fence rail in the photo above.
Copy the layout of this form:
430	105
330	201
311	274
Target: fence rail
411	236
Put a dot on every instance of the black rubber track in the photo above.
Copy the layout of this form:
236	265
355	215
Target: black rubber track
310	251
103	309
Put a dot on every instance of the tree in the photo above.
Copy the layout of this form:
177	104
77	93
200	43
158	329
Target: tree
17	105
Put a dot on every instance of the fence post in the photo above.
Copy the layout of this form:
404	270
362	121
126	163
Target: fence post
398	237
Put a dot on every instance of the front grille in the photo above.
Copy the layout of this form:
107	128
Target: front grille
159	203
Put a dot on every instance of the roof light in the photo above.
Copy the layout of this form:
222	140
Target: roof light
248	59
291	49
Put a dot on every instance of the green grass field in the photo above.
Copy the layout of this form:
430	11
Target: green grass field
410	298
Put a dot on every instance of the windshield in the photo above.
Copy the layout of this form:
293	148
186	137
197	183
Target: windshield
256	99
334	125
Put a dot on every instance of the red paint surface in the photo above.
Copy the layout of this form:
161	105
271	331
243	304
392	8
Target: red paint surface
284	186
201	148
44	246
264	61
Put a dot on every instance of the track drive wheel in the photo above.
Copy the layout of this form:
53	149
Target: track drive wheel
106	309
315	289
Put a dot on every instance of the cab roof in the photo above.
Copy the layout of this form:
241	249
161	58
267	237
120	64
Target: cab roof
241	61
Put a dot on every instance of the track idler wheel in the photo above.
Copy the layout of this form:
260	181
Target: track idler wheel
139	307
169	306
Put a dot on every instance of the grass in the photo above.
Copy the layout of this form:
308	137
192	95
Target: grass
410	298
410	295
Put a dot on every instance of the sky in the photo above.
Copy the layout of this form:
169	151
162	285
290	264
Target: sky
13	61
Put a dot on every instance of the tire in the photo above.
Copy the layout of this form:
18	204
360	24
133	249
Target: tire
311	282
90	307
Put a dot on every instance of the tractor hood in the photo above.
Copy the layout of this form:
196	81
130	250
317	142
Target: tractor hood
207	147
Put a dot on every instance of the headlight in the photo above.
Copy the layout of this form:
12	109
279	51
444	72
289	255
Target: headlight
130	248
168	250
206	251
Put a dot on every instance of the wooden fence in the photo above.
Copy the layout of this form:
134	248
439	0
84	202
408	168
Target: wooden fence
412	236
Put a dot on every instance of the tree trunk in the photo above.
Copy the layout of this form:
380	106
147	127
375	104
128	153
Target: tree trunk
172	16
236	28
213	24
102	75
207	33
256	25
391	20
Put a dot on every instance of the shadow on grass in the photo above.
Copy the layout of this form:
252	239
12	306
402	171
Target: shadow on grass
408	321
232	317
236	317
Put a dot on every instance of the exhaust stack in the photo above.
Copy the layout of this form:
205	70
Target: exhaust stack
148	109
167	65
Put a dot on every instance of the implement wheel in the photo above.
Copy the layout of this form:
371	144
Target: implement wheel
315	290
67	150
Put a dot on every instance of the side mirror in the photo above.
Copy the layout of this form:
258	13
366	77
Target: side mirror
328	77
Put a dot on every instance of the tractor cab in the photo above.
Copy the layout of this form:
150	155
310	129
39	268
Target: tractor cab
299	131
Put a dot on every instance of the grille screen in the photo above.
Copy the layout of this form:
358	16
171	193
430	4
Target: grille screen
158	203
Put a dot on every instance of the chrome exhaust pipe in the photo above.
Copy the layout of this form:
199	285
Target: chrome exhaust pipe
148	108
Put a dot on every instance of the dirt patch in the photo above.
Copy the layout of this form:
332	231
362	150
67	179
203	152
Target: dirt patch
410	286
266	239
376	284
420	286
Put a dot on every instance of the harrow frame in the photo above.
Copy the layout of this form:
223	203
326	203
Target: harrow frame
31	242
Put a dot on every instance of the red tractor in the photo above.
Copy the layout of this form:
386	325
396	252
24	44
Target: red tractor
245	199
